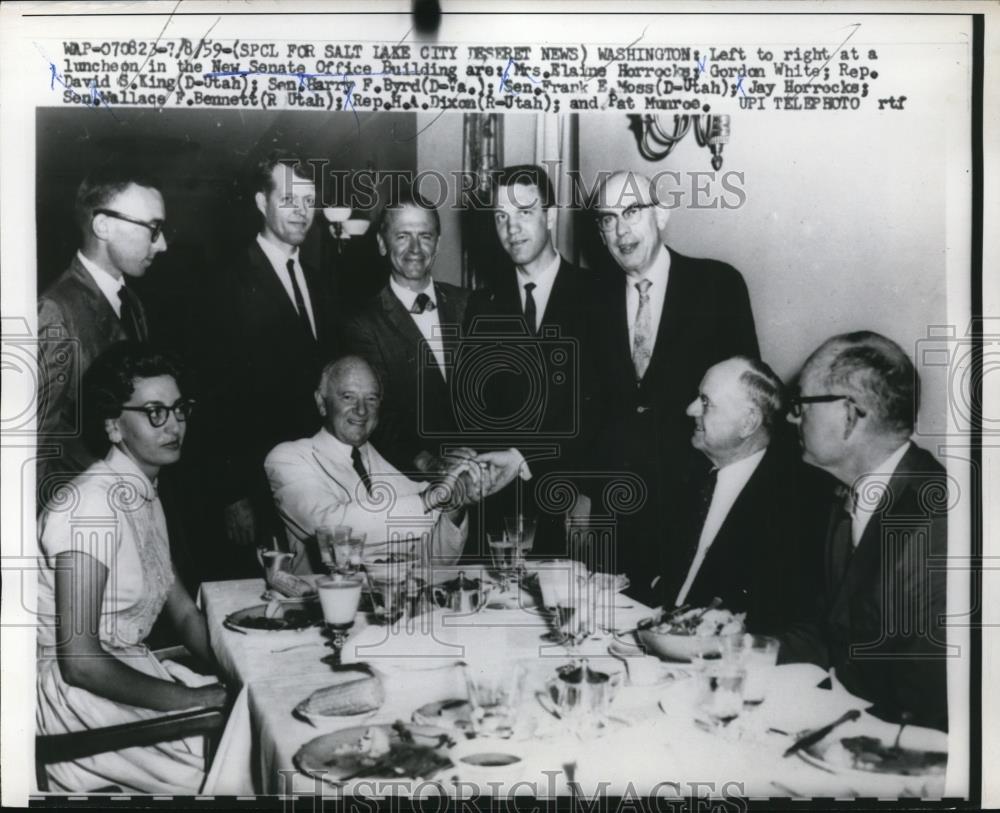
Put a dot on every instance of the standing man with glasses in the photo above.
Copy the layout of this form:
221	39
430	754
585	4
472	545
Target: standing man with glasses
90	307
879	618
277	327
666	320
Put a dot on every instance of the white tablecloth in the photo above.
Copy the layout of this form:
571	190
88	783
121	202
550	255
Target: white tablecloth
653	745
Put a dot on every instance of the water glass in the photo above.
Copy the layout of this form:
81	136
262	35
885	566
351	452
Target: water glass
495	694
504	553
328	538
722	689
760	658
521	531
348	552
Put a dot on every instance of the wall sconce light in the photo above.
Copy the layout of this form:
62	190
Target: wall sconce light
655	143
343	226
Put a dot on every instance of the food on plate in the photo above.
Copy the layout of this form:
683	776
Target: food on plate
609	581
290	585
699	622
289	620
389	559
355	696
871	754
381	751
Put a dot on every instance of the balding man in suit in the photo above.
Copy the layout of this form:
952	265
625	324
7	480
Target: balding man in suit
664	321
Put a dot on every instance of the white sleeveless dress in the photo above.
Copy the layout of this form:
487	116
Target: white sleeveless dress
112	513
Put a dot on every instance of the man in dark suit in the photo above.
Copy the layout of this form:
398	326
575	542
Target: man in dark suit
278	327
664	322
533	325
879	620
409	333
90	307
748	532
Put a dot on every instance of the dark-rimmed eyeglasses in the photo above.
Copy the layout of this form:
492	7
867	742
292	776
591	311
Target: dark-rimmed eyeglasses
158	413
606	221
795	404
155	226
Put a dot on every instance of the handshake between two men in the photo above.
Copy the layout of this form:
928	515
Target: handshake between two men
464	477
336	477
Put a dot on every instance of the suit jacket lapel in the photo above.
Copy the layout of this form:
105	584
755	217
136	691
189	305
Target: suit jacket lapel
106	320
399	318
450	326
273	291
672	319
868	551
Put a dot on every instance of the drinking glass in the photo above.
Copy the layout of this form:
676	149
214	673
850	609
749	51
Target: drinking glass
503	553
495	695
329	538
577	611
339	597
521	531
348	552
760	657
391	592
722	687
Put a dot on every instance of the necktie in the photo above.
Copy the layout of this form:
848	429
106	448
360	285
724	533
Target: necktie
359	467
530	314
642	340
841	542
300	303
129	317
422	303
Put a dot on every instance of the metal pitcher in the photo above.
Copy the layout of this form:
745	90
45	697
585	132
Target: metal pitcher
462	595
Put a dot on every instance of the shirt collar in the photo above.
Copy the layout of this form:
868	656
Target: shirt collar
121	463
873	485
543	277
331	445
408	297
278	255
742	469
108	283
656	273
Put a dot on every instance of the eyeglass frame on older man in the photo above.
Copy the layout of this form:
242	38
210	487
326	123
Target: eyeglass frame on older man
795	403
181	409
630	215
156	227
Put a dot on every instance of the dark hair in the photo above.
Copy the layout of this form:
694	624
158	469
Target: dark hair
102	186
877	373
764	389
525	175
262	180
406	196
110	382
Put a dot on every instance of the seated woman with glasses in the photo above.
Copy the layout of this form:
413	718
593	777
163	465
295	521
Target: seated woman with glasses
106	577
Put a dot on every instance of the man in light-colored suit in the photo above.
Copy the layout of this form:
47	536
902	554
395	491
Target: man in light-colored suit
90	307
336	477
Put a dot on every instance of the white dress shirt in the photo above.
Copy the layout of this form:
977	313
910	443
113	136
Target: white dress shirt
428	322
658	274
873	486
109	285
544	280
279	257
730	482
315	485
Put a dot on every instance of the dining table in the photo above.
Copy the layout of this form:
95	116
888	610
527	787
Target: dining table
653	740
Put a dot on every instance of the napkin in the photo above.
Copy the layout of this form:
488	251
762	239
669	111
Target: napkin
180	673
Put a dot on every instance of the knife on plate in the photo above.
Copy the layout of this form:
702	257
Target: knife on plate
814	737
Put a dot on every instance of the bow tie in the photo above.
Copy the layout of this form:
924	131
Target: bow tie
422	303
